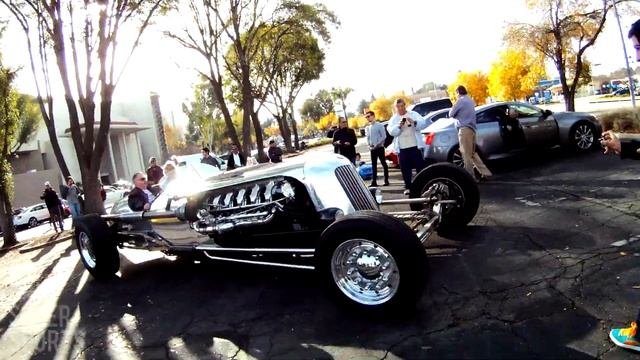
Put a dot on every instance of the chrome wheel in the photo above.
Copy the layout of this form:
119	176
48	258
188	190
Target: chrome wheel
86	250
33	222
444	189
583	136
365	272
456	158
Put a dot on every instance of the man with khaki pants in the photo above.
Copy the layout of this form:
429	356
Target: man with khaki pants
463	111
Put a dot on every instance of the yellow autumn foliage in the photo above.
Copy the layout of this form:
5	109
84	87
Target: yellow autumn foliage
383	106
476	83
327	121
515	75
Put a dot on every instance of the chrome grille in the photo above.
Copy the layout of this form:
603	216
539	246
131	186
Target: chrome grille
354	187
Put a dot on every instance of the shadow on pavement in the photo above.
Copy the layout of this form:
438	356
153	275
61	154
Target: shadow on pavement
473	307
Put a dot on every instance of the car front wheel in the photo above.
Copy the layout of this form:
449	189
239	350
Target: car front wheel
98	252
33	222
372	261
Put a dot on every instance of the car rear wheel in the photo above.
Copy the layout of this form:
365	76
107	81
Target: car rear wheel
372	261
33	222
583	136
448	182
98	252
456	157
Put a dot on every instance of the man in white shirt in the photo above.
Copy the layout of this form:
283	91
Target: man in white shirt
405	127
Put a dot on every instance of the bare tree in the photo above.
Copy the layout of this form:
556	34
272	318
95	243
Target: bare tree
87	34
204	35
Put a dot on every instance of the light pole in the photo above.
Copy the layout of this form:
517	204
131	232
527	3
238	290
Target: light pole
626	59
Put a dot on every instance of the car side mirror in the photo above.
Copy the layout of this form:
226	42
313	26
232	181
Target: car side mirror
546	113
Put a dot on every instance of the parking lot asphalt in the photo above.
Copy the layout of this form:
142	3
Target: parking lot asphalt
547	267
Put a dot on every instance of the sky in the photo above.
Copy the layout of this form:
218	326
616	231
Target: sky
380	48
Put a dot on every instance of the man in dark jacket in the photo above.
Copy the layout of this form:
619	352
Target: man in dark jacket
154	172
54	206
275	153
139	197
236	158
344	140
208	159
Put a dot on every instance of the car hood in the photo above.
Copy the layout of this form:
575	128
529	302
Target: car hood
445	123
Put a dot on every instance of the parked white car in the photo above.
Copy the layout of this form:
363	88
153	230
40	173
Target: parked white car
31	216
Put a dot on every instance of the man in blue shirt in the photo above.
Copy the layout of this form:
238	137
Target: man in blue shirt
376	135
464	112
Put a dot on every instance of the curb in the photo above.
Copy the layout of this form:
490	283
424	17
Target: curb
40	246
19	245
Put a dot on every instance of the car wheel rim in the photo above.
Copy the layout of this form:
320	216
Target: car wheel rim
584	137
33	222
365	272
86	250
457	158
445	189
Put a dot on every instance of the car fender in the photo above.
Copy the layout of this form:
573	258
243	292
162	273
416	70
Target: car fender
567	121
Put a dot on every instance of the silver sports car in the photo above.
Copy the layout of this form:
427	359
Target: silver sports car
500	135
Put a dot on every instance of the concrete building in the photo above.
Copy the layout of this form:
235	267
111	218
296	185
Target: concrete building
134	136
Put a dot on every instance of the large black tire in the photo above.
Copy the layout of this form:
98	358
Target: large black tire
386	236
462	187
583	137
98	251
33	222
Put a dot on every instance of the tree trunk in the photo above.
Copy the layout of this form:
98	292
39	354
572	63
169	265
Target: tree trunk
284	131
226	114
157	118
247	110
92	200
294	126
49	122
6	219
259	138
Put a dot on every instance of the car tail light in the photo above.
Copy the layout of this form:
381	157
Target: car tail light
429	138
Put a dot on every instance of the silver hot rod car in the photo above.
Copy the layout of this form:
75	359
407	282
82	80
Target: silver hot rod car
310	212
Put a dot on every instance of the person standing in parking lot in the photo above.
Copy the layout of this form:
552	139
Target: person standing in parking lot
54	206
275	153
376	135
405	127
154	172
73	197
236	158
344	140
464	112
208	159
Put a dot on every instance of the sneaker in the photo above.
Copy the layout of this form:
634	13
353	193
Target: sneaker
374	184
386	183
626	338
406	192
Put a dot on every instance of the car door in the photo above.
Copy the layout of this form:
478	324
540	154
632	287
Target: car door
488	136
539	130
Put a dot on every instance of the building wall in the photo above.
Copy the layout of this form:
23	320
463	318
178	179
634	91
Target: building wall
27	161
29	186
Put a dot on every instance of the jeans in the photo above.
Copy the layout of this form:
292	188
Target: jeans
410	158
75	209
376	154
